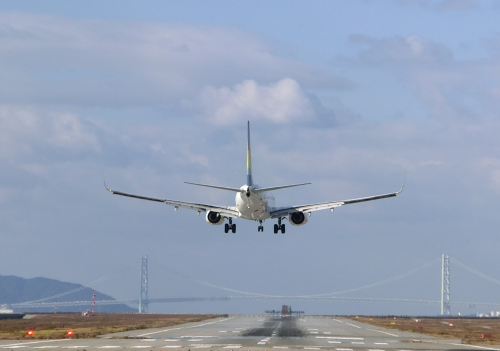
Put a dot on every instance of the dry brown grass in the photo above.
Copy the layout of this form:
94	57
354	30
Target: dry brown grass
474	331
56	326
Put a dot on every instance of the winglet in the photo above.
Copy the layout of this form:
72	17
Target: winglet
403	184
249	160
105	186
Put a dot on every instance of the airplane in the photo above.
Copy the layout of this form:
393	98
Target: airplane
255	203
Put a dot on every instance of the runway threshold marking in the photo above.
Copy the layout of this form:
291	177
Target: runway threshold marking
194	326
172	347
381	343
384	332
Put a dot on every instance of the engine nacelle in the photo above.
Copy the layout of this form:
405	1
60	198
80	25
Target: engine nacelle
297	218
214	218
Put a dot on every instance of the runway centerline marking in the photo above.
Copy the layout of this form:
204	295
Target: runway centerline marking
31	342
14	347
450	343
381	331
108	347
339	338
74	347
193	326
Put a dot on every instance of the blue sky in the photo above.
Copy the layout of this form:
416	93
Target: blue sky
347	95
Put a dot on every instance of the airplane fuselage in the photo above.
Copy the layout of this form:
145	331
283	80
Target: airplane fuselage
254	206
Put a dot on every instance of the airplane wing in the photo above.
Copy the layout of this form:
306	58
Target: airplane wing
224	211
281	212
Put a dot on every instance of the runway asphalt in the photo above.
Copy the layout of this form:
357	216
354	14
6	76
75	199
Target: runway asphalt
256	332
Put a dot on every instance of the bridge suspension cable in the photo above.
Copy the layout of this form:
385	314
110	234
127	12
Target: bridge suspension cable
388	280
472	270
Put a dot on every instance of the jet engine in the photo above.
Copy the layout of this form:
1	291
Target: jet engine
297	218
214	218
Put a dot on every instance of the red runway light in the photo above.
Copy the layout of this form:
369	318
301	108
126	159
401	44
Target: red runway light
70	332
30	332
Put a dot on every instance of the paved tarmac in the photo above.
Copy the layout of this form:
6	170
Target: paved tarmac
252	332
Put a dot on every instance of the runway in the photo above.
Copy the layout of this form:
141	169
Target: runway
254	332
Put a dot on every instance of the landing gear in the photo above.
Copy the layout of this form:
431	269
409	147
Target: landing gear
260	227
278	227
230	226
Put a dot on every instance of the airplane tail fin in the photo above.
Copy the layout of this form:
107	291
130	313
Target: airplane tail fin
249	160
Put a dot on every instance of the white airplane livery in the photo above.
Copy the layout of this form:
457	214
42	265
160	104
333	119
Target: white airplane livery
255	203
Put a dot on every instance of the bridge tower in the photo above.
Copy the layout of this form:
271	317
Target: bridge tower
445	285
143	298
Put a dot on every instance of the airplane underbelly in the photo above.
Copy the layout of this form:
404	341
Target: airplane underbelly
252	207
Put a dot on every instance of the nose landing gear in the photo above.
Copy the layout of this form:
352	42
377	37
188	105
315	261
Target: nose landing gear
260	227
279	227
230	226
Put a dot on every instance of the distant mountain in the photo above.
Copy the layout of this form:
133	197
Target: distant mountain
15	290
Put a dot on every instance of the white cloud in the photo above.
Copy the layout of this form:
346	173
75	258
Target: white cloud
281	102
443	5
408	50
449	89
27	132
45	59
68	132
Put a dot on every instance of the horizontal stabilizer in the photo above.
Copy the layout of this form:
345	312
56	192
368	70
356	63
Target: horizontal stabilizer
260	190
238	190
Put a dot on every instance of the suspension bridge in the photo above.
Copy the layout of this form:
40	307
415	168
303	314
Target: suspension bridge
143	301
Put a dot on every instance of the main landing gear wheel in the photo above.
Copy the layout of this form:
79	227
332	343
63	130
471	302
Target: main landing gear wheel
230	227
279	227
